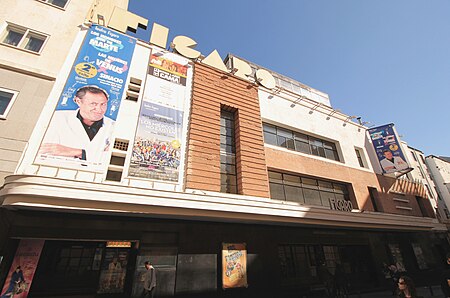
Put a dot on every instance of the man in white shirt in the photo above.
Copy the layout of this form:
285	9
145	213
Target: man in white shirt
82	134
391	163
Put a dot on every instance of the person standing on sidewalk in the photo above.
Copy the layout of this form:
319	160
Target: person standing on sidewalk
406	288
149	280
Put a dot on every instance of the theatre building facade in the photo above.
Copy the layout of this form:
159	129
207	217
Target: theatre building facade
229	178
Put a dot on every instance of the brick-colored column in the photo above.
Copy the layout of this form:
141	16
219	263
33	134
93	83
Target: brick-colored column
213	89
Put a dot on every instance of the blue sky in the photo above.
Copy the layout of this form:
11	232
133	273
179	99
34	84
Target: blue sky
386	61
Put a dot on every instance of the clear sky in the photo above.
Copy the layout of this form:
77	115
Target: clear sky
386	61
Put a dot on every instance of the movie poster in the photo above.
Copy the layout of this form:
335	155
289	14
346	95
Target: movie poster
388	149
113	271
79	133
234	265
21	273
157	149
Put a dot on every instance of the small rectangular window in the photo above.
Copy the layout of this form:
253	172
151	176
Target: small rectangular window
373	192
57	3
7	98
23	38
359	157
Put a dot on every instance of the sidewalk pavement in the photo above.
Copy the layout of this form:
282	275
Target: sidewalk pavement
425	292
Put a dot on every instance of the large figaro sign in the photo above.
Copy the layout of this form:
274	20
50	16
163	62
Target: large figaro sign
184	46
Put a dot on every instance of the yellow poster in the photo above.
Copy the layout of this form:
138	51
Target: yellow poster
234	265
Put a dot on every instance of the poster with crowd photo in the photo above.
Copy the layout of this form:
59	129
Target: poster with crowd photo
79	133
234	265
388	149
21	273
157	149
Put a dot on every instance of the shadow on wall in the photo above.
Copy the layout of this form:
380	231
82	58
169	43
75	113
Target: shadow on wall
398	196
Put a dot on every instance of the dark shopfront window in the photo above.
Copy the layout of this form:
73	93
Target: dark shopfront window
67	267
296	141
307	191
80	268
300	264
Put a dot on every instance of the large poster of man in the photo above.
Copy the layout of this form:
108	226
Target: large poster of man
388	149
79	133
157	149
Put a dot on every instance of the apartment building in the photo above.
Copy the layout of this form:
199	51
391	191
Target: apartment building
229	178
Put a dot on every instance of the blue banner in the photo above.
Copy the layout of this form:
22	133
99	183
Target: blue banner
79	134
103	61
388	149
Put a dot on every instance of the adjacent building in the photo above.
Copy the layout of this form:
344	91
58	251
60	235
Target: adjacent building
228	177
440	173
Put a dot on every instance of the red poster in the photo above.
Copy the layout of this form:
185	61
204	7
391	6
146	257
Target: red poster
22	270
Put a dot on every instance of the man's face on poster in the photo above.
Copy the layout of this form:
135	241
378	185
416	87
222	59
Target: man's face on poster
92	106
388	154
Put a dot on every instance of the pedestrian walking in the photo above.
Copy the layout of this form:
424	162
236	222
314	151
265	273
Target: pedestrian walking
406	288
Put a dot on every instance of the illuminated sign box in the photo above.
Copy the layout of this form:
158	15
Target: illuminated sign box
118	244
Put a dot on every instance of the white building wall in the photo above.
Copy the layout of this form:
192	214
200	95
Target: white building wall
316	120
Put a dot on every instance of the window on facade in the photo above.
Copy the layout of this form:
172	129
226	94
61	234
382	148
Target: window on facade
414	155
359	157
373	192
397	256
299	142
423	159
303	190
228	175
420	257
7	98
58	3
423	209
23	38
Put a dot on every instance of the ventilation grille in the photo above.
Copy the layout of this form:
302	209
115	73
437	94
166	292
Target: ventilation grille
117	161
121	145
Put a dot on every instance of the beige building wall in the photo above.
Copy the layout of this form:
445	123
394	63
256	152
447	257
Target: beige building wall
16	129
61	26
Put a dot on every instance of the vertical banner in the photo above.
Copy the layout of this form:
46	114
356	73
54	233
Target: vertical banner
388	149
234	265
79	133
157	148
21	273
